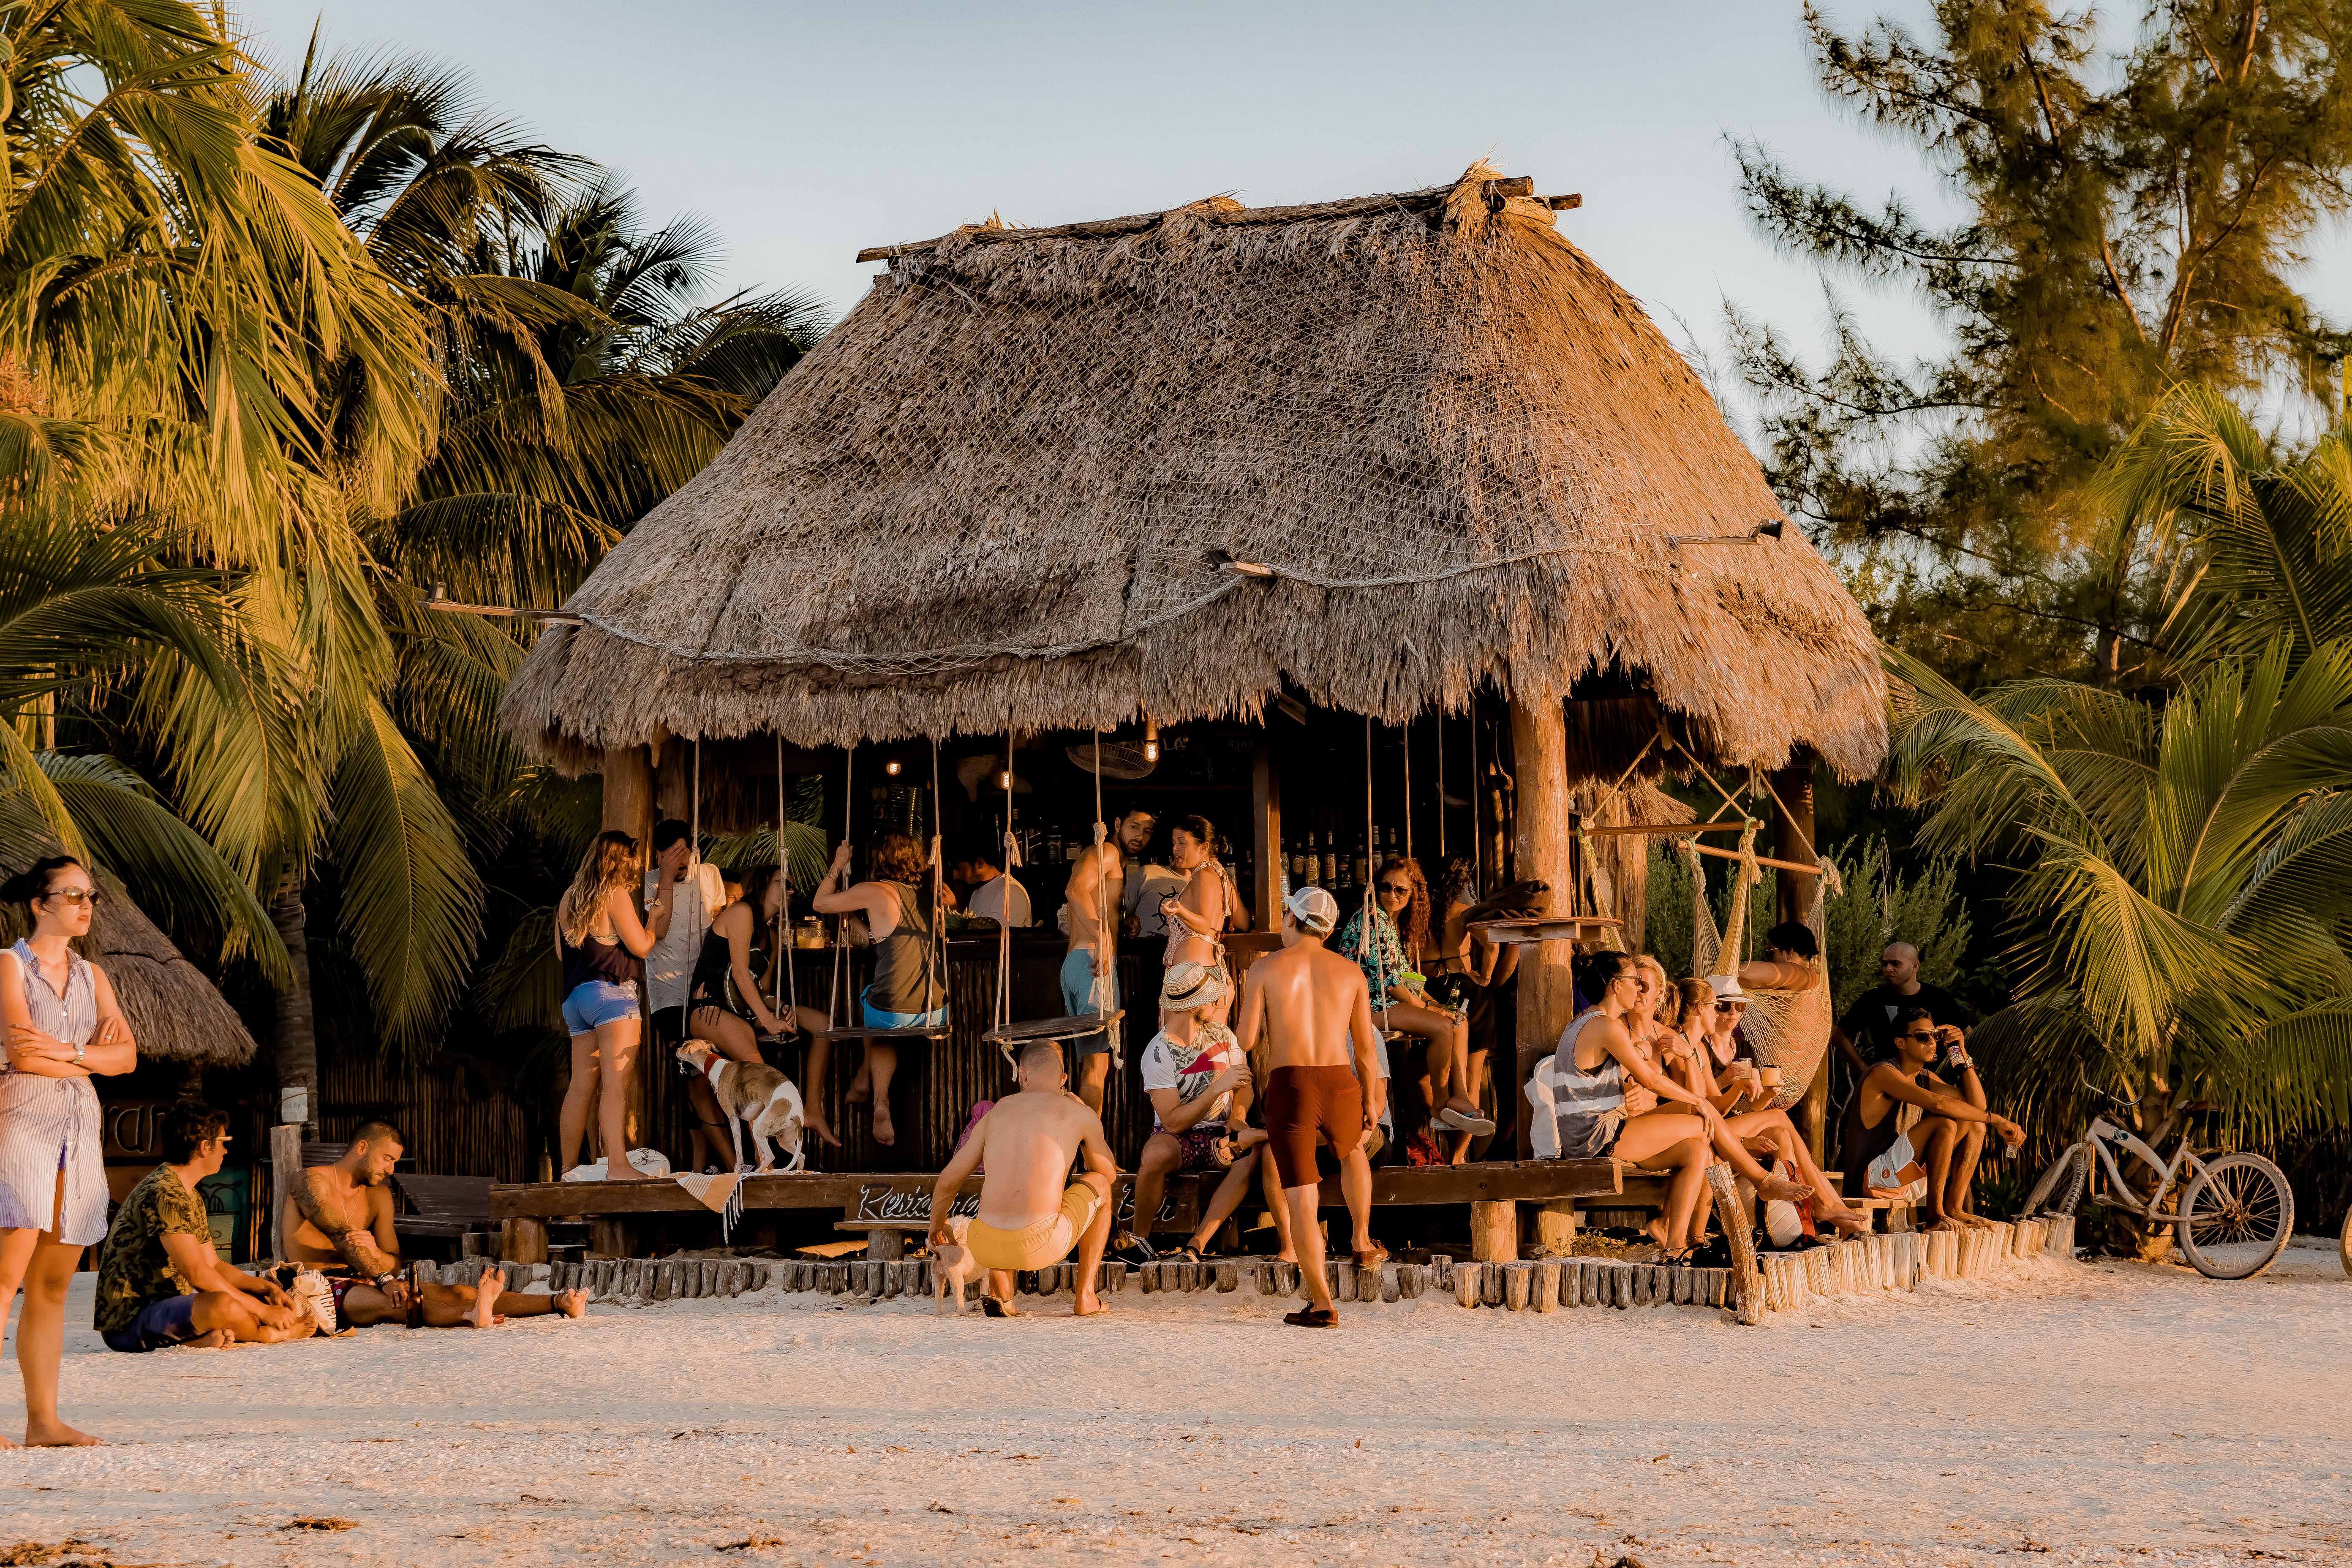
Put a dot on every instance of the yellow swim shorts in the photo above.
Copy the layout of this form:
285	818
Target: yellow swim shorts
1047	1241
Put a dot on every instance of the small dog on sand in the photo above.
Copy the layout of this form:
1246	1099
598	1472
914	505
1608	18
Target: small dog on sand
953	1267
754	1094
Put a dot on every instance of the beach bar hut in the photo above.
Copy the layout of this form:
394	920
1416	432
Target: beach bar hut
1394	456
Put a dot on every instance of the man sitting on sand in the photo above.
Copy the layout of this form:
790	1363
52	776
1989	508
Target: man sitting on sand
338	1221
1881	1162
1315	1010
162	1283
1027	1219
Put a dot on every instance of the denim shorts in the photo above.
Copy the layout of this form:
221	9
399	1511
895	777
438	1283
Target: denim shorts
170	1322
598	1002
1084	992
879	1018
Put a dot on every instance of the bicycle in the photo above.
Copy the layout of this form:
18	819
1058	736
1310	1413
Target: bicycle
2232	1217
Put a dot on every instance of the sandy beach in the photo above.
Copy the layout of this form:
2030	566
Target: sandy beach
2094	1413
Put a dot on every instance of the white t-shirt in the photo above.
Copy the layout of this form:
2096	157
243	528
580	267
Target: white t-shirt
1186	1069
994	898
1147	887
670	967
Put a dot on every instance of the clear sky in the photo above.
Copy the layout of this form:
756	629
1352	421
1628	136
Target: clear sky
804	132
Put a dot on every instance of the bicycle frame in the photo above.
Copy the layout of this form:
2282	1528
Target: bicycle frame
2104	1138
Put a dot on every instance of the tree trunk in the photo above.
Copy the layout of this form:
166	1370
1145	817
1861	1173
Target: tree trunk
295	1042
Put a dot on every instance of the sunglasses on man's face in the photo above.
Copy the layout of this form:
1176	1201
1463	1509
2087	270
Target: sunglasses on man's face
1916	1035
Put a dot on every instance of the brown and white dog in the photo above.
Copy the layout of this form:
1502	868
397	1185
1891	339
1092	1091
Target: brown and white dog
754	1094
953	1267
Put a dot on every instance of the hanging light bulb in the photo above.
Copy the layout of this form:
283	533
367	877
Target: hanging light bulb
1004	778
891	767
1150	740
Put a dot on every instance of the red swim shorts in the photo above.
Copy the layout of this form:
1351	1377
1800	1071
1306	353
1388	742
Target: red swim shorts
1308	1106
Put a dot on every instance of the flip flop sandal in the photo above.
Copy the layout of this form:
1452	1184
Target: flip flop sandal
1312	1318
1463	1121
1187	1254
990	1307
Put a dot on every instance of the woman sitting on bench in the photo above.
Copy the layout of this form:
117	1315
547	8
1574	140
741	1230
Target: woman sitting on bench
1388	948
1597	1057
909	990
1690	1010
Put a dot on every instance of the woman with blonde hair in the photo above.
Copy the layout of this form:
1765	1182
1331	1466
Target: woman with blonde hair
908	988
1766	1133
600	940
63	1025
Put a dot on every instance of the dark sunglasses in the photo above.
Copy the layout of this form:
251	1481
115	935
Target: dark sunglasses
74	897
1915	1034
1405	888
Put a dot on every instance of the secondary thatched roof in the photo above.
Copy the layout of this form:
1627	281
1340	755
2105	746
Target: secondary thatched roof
1003	490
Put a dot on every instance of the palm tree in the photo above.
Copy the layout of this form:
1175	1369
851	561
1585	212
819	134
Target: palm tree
577	380
2184	877
2256	547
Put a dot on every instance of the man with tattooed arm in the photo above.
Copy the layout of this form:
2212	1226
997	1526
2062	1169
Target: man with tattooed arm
338	1222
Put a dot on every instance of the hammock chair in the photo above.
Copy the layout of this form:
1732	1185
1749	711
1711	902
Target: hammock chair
1788	1029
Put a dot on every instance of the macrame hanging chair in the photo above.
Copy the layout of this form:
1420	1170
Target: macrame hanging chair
1788	1029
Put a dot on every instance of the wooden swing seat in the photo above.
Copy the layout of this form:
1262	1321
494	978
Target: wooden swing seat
934	1032
1544	928
1077	1026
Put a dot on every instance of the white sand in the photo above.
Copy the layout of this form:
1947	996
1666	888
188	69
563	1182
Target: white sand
2107	1413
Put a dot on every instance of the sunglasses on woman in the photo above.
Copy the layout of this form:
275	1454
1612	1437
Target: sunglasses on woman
72	898
1402	889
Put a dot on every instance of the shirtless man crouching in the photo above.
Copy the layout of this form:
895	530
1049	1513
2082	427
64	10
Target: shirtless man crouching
1027	1219
1315	1010
338	1221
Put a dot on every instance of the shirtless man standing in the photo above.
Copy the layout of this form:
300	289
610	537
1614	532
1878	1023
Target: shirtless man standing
1097	891
1027	1219
1316	1012
338	1221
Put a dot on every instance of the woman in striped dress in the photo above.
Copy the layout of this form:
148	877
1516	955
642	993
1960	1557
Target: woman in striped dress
62	1026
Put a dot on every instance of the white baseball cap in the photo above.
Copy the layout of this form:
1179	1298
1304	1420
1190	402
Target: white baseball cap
1316	911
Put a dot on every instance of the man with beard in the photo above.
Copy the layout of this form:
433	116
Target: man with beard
339	1223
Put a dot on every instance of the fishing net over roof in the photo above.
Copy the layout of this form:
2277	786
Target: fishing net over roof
1003	491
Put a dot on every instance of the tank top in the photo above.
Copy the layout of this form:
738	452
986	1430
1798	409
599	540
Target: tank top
1860	1144
598	958
904	981
714	974
1589	1102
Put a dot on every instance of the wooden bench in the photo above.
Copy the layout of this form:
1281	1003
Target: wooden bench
446	1207
884	1205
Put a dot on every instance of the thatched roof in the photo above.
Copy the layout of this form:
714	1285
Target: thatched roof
1004	488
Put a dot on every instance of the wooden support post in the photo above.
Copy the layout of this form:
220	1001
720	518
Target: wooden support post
1265	821
1556	1226
1494	1232
285	1165
1746	1287
629	808
1546	994
522	1240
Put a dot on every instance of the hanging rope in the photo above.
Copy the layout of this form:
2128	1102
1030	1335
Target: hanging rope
939	919
784	874
1440	794
1102	916
841	923
1408	798
1000	1007
1371	910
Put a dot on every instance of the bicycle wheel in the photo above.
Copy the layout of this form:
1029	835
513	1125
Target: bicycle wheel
2343	1245
2235	1217
2060	1190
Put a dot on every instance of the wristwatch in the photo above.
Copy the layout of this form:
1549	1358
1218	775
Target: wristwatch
81	1049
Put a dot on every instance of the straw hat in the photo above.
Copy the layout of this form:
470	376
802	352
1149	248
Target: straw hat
1727	989
1186	986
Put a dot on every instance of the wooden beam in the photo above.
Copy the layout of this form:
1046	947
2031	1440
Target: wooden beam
1802	869
1663	829
1547	993
1563	203
1265	821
